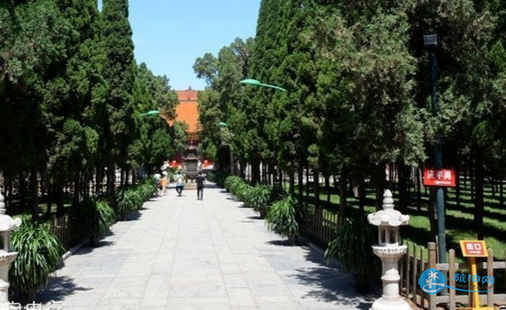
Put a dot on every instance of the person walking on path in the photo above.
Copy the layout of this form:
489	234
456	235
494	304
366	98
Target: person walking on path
201	182
179	183
163	184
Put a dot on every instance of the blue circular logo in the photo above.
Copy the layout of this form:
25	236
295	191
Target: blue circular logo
432	281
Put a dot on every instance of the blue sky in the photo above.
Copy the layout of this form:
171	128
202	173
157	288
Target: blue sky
170	34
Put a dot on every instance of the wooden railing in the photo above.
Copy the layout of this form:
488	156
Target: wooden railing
318	225
411	267
64	228
418	259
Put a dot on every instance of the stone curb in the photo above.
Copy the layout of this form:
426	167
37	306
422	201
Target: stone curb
73	250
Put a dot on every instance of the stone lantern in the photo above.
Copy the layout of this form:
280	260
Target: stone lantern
7	224
389	251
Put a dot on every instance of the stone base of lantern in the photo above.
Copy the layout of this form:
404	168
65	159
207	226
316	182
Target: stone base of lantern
390	304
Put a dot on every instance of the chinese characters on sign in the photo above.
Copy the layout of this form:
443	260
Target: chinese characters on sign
473	248
441	177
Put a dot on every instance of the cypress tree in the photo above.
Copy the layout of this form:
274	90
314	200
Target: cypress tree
119	74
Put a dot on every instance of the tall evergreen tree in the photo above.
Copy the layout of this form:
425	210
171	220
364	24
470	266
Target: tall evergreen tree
70	139
119	73
36	37
219	103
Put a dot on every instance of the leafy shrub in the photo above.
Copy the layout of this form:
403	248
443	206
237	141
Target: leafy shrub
242	191
39	253
283	217
260	198
147	189
127	200
351	246
93	217
232	182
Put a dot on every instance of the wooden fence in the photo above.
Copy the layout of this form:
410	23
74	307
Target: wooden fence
65	229
318	225
418	259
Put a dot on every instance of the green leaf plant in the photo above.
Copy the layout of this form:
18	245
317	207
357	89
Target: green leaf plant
283	218
39	253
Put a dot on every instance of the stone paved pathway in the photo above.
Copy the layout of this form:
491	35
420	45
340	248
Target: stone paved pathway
182	253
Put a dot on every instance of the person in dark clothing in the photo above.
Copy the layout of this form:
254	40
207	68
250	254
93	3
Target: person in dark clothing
201	181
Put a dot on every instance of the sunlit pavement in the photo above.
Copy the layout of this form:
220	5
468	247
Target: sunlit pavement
183	253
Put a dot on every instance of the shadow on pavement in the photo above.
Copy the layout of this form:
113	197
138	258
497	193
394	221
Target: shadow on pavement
330	285
279	243
133	216
213	185
88	249
57	289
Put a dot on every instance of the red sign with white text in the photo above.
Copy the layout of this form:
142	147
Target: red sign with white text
441	177
473	248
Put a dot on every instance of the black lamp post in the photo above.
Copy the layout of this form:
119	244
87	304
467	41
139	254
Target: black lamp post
431	42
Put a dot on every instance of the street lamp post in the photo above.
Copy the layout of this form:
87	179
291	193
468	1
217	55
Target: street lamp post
258	83
431	42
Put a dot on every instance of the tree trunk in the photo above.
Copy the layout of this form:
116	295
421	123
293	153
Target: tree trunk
316	186
403	190
111	179
471	177
379	182
478	201
99	177
300	185
342	199
242	168
60	203
291	188
22	192
361	195
34	185
418	188
10	195
432	216
327	188
50	197
281	182
457	186
255	171
307	184
501	192
76	194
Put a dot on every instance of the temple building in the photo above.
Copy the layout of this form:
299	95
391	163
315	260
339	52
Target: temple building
187	112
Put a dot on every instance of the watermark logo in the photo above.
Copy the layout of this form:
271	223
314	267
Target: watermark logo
432	281
466	278
52	305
